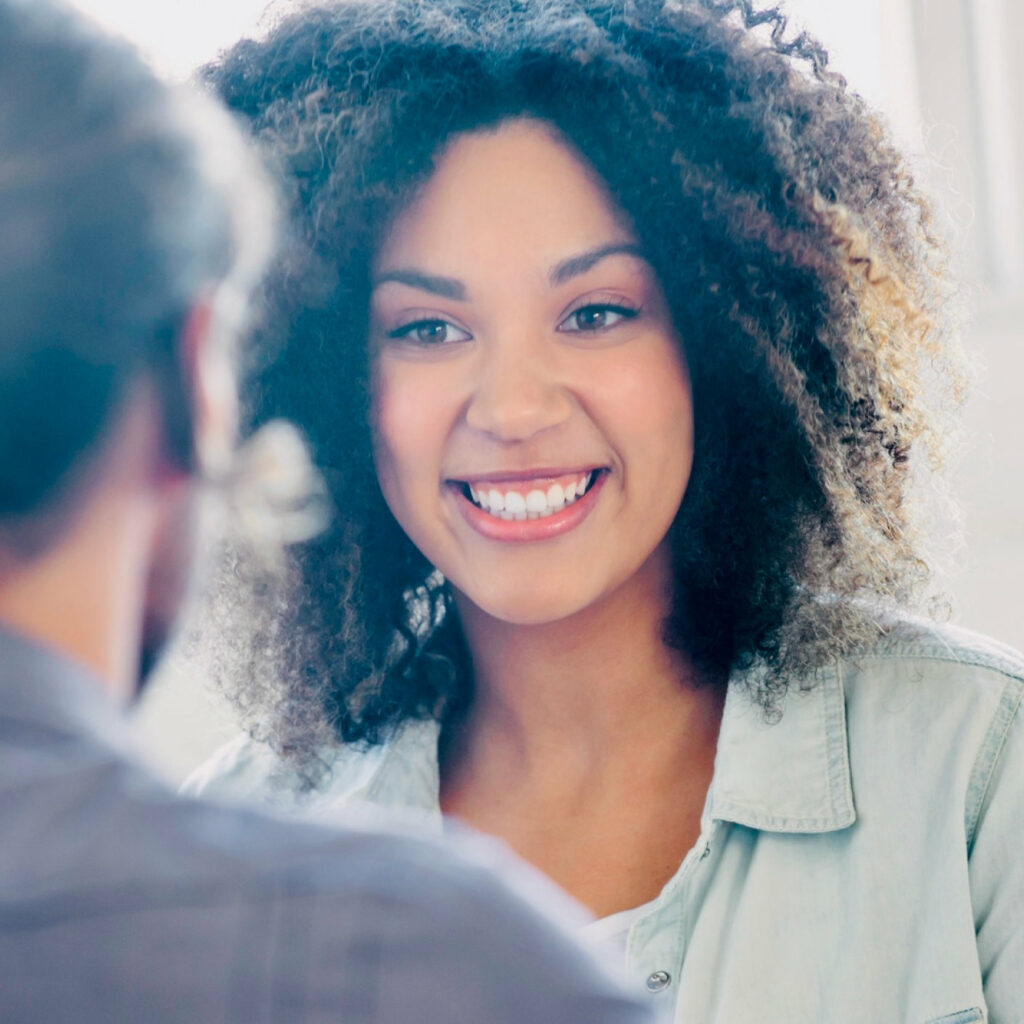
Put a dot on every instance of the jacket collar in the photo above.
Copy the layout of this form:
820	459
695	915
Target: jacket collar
789	774
400	775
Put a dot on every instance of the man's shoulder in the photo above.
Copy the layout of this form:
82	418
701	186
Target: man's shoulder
99	824
179	899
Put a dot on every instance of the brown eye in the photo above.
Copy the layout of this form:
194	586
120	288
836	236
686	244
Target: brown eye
596	318
429	332
434	331
590	318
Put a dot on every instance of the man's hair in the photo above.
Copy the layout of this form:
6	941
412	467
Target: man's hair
801	269
122	201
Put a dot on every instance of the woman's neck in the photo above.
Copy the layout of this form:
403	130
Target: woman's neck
568	696
589	747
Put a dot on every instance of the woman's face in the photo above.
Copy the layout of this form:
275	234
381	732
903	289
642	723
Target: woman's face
533	416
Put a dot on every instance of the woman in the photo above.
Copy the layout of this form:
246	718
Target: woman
619	330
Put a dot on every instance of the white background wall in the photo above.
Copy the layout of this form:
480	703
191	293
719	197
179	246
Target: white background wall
944	73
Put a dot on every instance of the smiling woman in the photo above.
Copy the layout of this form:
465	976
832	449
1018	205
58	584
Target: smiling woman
619	329
546	364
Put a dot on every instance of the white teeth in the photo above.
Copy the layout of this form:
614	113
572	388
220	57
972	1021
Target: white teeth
535	504
536	501
515	503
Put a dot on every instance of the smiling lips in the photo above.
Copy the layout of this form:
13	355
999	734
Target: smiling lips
533	503
535	508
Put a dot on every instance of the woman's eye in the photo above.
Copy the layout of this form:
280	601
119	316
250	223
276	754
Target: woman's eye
596	318
429	332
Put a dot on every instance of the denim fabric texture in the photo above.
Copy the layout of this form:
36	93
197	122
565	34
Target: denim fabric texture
860	860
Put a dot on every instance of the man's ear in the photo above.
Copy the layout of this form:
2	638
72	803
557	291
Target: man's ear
209	374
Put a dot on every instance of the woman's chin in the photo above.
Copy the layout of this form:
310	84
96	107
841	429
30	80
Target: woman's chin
530	607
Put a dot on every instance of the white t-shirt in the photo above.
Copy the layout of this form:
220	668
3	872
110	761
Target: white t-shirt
613	931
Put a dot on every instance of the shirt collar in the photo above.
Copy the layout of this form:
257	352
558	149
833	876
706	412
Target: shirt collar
401	775
43	688
789	773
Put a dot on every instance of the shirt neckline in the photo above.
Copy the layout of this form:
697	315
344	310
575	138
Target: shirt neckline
785	773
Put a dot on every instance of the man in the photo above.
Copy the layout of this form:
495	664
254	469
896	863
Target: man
132	227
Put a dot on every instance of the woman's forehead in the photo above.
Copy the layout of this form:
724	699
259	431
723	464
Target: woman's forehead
516	187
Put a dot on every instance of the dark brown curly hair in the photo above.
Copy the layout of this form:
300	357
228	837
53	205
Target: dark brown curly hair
799	265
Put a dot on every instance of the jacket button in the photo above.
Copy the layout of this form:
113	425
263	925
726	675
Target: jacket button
658	980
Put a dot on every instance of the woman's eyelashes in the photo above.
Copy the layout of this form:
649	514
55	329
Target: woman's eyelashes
597	316
594	317
429	331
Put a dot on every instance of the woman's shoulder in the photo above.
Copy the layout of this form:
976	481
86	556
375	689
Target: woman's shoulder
931	694
915	664
401	772
907	639
917	667
241	769
946	737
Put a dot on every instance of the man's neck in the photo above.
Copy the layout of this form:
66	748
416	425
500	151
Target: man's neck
83	595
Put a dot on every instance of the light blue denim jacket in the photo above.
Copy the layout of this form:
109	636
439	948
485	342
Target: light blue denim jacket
861	860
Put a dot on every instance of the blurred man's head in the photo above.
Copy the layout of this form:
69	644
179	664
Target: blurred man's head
133	224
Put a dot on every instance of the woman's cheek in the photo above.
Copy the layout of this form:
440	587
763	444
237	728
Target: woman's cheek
387	427
405	428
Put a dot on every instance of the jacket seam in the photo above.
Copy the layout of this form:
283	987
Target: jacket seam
968	658
988	756
840	777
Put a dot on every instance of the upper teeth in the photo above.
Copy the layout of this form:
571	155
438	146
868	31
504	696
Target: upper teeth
534	504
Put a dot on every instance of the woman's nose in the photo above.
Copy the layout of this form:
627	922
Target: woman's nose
516	392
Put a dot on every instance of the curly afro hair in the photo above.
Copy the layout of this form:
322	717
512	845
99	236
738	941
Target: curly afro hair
800	268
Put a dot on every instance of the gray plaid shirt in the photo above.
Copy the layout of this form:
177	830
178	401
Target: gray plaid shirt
120	902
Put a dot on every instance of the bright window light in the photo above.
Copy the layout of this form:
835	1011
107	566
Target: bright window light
177	35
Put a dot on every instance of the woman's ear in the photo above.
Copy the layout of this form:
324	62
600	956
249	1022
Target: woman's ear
209	374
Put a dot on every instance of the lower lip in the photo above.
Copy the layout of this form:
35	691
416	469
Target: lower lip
520	530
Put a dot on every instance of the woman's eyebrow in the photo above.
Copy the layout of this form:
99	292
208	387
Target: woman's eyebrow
453	288
447	287
576	265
